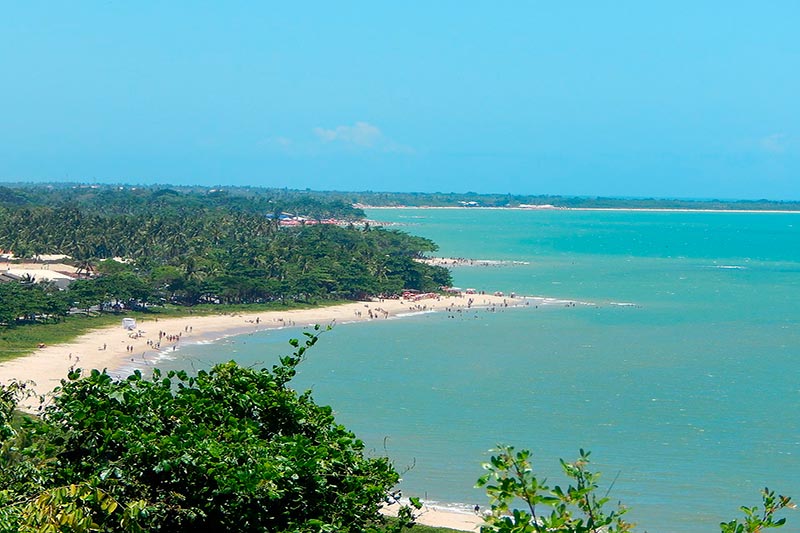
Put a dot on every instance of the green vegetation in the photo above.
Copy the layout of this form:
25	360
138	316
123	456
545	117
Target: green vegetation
123	200
420	528
339	204
15	342
196	247
510	480
232	449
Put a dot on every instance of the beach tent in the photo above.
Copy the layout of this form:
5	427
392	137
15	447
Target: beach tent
129	323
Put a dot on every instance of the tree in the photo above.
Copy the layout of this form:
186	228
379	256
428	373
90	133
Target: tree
755	519
232	449
577	509
29	302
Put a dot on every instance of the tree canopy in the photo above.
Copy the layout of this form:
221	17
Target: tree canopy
189	248
232	449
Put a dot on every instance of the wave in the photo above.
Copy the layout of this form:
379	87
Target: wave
726	267
449	507
548	301
415	313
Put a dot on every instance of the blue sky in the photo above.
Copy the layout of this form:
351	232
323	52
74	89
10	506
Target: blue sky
668	99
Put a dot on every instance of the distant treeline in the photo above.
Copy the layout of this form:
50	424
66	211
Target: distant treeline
515	200
133	199
200	246
338	204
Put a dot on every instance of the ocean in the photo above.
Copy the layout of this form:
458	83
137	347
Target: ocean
677	363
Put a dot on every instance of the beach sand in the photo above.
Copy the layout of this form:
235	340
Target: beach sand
437	517
113	348
463	261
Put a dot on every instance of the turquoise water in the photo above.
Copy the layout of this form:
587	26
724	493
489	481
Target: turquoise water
678	367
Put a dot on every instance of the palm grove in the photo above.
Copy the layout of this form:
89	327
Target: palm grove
201	246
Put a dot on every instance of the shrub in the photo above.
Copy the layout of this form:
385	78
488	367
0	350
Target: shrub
231	449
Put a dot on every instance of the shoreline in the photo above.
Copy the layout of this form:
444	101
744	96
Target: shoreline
436	516
557	208
450	262
116	349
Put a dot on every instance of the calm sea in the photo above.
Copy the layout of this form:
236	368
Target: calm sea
678	367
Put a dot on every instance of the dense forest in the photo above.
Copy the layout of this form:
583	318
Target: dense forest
132	199
155	245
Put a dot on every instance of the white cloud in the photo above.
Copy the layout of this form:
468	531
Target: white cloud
359	134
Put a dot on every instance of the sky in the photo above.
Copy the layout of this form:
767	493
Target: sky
676	99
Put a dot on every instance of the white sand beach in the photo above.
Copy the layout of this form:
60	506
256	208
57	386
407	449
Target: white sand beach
438	517
464	261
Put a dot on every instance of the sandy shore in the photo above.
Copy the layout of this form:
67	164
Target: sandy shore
436	517
113	347
559	208
465	261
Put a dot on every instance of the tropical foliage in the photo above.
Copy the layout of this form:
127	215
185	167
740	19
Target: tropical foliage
27	302
190	248
232	449
521	502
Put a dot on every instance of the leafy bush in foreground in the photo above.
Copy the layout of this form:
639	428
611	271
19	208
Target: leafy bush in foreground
232	449
510	479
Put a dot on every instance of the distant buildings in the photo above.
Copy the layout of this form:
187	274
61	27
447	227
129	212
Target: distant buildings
60	279
288	219
537	206
49	270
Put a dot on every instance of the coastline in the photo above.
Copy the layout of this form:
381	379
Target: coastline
113	347
438	517
450	262
624	209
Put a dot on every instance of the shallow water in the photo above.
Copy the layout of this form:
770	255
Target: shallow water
677	367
